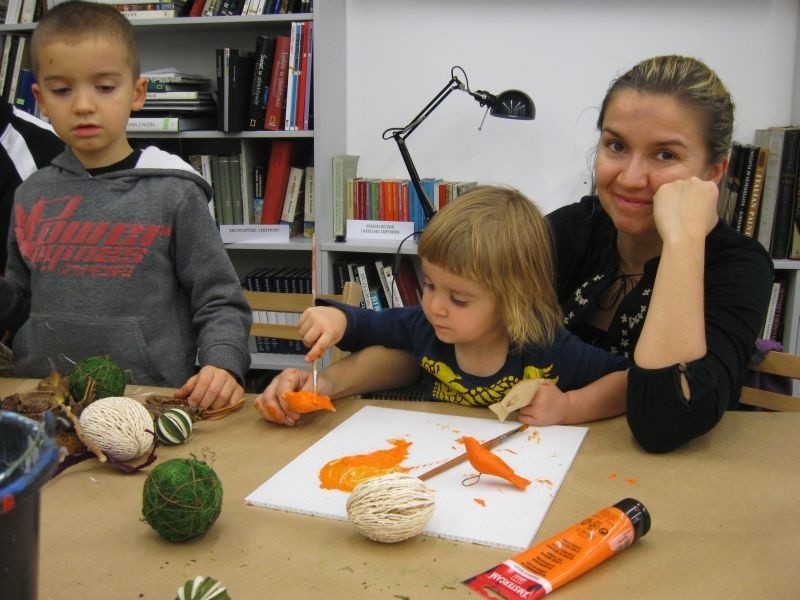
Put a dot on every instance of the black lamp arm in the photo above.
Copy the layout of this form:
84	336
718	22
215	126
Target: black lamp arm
400	136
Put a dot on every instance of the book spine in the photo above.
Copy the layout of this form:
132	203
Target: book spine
770	318
262	66
386	298
754	202
259	179
396	299
291	78
276	97
292	196
309	219
340	177
784	207
278	168
773	140
777	324
746	185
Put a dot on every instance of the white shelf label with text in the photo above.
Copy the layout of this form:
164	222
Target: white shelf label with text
379	230
254	234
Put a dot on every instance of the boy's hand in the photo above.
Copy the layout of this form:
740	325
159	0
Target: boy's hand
270	404
549	406
211	388
321	327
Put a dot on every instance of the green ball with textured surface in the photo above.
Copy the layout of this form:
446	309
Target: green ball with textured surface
173	427
202	588
108	375
181	498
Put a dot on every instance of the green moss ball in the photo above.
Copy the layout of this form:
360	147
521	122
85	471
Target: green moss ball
108	375
182	498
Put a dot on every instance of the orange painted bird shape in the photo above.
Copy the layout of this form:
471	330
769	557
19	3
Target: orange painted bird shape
486	462
303	401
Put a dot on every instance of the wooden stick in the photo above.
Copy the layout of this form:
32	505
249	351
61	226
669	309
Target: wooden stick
462	457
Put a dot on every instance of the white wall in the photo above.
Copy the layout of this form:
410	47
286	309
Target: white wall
563	53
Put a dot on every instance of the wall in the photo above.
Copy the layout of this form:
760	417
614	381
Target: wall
563	53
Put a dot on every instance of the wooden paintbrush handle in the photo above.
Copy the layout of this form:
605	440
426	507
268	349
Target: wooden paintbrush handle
489	444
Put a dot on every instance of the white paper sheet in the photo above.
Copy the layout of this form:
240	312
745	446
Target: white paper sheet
491	512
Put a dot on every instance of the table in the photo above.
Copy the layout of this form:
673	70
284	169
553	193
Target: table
724	509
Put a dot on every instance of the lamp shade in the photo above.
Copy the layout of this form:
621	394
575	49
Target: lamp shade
513	104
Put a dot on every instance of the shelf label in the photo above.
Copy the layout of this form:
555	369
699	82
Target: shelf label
254	234
379	230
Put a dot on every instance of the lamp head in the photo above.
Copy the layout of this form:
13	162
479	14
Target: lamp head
513	104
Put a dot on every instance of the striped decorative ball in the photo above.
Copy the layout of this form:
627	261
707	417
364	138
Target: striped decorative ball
202	588
173	427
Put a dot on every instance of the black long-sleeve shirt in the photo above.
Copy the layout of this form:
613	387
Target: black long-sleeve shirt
26	144
738	278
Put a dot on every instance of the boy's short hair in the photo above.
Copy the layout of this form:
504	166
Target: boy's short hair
75	20
498	238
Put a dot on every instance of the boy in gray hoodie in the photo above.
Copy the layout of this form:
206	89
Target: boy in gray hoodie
113	251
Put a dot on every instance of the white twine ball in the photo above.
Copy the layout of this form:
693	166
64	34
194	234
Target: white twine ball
391	508
118	426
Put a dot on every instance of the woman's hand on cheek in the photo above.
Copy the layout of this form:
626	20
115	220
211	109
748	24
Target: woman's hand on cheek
685	209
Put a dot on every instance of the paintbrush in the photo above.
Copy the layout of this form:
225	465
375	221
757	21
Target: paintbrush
314	371
489	444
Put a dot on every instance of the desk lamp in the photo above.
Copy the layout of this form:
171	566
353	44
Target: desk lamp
511	104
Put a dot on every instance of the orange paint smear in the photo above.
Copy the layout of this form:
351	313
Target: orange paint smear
612	476
303	401
630	481
534	436
480	501
347	472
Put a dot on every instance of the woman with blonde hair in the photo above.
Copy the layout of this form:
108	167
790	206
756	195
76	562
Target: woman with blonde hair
645	267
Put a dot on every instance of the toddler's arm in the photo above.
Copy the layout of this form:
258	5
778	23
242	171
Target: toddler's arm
372	368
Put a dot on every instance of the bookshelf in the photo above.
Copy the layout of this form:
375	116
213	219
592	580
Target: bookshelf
188	44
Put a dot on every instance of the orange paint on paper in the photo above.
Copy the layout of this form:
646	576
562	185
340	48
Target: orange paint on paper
480	501
612	476
347	472
545	482
558	560
534	436
630	481
303	401
488	463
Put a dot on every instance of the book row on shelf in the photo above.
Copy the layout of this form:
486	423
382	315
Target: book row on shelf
251	191
386	281
16	77
29	11
759	195
267	88
279	280
376	199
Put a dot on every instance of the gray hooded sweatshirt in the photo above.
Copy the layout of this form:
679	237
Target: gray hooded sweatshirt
127	264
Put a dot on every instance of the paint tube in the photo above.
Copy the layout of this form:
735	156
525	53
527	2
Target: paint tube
560	559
